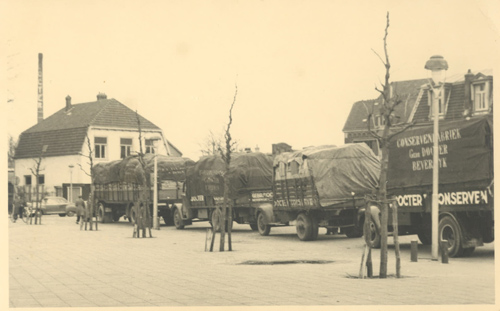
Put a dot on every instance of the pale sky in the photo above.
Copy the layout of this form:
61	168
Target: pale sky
299	65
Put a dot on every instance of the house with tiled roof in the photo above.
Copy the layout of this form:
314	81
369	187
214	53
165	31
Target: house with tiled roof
62	141
467	96
356	129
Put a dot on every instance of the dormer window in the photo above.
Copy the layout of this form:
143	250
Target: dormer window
480	96
442	102
379	121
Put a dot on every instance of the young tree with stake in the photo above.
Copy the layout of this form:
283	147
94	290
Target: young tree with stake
389	119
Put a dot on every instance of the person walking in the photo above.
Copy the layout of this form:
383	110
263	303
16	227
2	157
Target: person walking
80	209
18	207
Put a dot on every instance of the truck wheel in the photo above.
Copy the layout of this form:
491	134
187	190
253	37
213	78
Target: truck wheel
168	220
100	213
254	227
449	230
132	218
262	225
102	216
304	226
178	222
374	235
353	232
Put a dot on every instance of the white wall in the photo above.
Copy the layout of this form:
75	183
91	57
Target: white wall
55	169
113	141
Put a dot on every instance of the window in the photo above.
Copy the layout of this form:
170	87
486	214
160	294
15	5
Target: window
100	147
441	103
41	179
27	180
125	146
379	121
150	148
480	96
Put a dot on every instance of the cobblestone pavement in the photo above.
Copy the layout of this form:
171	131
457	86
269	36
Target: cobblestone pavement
57	265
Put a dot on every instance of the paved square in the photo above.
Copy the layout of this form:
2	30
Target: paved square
57	265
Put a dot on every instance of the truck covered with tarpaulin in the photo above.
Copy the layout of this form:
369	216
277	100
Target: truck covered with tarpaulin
250	183
118	185
465	182
321	186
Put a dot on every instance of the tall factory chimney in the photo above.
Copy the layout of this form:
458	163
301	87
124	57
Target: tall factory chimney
40	87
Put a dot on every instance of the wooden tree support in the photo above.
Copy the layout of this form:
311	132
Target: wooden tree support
222	229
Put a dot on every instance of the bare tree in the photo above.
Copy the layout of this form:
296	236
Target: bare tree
214	143
90	210
225	211
389	119
35	170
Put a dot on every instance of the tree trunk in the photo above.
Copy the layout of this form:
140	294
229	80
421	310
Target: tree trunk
382	197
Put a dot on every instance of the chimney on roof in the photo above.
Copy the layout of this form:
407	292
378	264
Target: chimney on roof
40	88
68	103
101	96
469	76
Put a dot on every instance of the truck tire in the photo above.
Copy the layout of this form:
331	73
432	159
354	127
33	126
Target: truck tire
306	227
449	230
178	222
374	235
168	220
262	226
102	216
254	227
100	213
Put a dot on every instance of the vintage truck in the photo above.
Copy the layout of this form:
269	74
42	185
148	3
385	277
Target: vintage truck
321	186
466	206
250	177
117	186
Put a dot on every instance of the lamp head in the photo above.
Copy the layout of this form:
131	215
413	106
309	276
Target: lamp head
437	65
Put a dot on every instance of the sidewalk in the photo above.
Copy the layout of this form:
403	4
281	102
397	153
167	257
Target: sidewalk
57	265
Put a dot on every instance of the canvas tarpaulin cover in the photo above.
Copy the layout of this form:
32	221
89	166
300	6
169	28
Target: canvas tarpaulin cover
129	170
465	153
247	171
336	171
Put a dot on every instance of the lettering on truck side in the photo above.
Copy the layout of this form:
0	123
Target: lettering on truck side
258	196
295	202
475	197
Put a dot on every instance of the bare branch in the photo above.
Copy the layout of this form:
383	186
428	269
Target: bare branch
407	126
228	133
83	170
379	57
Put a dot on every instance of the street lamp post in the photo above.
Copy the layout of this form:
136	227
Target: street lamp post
70	196
437	65
156	224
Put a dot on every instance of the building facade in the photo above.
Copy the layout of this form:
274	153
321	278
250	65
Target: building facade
465	96
105	129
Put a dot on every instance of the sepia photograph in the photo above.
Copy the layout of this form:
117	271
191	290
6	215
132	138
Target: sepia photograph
241	155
